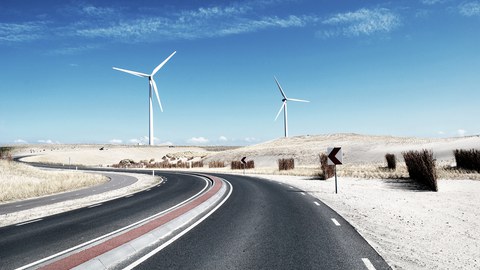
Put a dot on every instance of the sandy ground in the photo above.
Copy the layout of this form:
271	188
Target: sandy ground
91	155
411	229
144	182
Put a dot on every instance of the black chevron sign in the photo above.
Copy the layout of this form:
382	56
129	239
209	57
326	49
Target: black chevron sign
334	156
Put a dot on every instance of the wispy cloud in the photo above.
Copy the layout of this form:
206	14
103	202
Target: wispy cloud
21	32
48	141
461	132
73	50
197	140
431	2
115	141
470	9
222	139
20	141
361	22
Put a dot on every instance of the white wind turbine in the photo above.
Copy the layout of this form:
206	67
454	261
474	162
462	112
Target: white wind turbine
153	85
284	107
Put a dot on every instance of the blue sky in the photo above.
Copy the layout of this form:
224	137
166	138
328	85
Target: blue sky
402	68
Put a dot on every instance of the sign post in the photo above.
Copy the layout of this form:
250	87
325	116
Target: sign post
244	164
335	157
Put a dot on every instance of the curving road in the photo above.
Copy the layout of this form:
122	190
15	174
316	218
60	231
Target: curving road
24	243
267	225
263	225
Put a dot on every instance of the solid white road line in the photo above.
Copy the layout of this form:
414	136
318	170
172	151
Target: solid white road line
28	222
95	205
111	233
335	222
316	203
368	264
128	196
158	249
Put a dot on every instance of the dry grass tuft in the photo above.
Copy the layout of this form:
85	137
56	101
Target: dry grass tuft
467	159
19	181
285	164
216	164
327	171
421	168
238	165
391	161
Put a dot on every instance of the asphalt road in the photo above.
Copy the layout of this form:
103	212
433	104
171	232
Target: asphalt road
116	181
23	244
263	225
267	225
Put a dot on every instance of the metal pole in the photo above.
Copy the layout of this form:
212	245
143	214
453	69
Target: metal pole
335	168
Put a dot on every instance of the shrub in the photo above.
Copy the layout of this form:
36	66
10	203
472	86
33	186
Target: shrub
327	170
216	164
286	164
391	161
467	159
238	165
5	153
197	164
421	168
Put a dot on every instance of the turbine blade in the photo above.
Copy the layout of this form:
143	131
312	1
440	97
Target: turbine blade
163	63
139	74
156	93
281	108
280	88
300	100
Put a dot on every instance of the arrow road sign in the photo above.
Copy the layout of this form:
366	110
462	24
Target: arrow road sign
335	156
243	160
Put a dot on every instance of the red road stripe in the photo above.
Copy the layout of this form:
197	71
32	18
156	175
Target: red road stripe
92	252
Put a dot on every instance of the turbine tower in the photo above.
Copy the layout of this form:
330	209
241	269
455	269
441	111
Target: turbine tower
153	85
284	107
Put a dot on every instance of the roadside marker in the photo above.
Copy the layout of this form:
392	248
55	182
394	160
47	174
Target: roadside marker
335	222
368	264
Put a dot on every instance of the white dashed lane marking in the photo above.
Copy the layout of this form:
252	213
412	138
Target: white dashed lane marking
335	222
368	264
303	193
95	205
316	203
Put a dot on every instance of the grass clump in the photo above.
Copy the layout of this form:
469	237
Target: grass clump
6	152
391	161
467	159
197	164
216	164
238	165
421	168
327	171
285	164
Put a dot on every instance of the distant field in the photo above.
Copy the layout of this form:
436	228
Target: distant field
19	181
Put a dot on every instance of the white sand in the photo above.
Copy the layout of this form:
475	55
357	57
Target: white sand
144	182
411	229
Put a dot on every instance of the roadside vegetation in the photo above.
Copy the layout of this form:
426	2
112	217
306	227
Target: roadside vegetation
19	181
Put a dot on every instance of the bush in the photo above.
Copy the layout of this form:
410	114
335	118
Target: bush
197	164
5	153
216	164
327	170
421	168
391	161
286	164
238	165
467	159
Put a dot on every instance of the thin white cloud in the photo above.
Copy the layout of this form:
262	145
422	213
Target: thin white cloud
115	141
251	139
361	22
197	140
222	139
144	141
461	132
20	141
431	2
91	10
73	50
470	9
21	32
48	141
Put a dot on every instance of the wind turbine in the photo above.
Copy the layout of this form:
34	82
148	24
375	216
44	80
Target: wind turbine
284	107
153	85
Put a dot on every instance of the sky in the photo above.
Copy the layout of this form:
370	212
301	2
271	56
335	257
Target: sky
400	68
